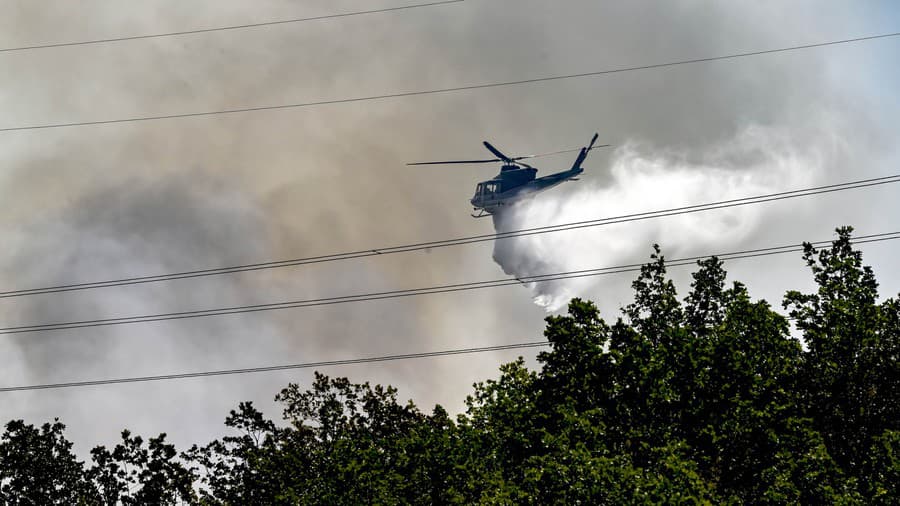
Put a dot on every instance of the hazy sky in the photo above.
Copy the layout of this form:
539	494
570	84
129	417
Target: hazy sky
108	201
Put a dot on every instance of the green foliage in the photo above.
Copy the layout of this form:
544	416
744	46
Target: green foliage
37	466
705	400
851	371
134	473
884	468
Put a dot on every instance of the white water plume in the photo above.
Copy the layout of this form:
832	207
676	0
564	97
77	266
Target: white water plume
758	160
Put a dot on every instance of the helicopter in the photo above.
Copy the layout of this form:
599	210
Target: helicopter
516	179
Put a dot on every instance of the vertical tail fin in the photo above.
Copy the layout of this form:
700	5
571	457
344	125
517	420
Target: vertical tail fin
584	152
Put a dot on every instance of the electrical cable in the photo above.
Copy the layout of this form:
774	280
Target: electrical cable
864	183
445	90
393	294
249	370
223	28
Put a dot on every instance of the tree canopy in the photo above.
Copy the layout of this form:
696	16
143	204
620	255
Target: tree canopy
707	399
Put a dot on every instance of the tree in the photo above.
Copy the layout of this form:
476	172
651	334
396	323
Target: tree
134	473
262	464
37	466
705	400
851	372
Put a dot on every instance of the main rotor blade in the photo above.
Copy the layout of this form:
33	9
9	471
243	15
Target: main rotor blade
497	152
449	162
574	150
504	158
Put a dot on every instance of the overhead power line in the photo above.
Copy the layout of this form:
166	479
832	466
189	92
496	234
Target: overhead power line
394	294
804	192
446	90
331	363
224	28
273	368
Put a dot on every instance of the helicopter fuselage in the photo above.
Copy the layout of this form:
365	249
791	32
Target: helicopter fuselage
516	179
515	183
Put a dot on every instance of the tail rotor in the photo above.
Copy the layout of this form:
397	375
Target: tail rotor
582	155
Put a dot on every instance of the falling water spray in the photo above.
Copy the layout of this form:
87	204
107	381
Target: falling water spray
758	160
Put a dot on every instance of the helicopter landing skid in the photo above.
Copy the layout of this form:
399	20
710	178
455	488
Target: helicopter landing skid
481	214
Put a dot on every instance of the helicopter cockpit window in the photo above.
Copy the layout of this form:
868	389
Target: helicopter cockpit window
491	188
